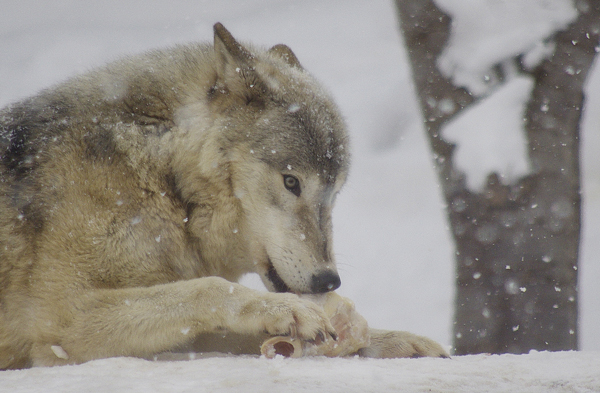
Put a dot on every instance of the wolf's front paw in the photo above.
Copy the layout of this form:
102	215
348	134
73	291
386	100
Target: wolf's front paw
286	314
391	344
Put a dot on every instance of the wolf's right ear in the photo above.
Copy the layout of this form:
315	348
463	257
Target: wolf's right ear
235	70
229	52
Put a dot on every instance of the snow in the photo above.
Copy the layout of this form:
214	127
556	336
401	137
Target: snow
536	372
393	247
504	29
491	134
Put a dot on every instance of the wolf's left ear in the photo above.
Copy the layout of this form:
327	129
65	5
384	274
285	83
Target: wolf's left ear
284	52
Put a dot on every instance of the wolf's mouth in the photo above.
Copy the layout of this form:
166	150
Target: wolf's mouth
276	280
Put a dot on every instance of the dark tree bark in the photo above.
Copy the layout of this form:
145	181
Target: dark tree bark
516	244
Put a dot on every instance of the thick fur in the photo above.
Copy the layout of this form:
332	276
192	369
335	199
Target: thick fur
133	197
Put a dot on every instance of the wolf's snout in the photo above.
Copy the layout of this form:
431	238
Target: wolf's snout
325	282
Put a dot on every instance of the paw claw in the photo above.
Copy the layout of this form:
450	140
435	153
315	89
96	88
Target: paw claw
333	335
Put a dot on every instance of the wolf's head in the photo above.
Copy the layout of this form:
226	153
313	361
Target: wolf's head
288	158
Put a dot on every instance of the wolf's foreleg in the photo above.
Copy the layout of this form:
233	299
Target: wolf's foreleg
145	321
387	344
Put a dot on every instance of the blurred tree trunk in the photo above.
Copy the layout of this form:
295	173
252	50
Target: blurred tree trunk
516	244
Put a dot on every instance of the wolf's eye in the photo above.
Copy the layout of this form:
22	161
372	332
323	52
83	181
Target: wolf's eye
292	184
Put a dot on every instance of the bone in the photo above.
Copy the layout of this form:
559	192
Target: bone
351	328
282	345
59	352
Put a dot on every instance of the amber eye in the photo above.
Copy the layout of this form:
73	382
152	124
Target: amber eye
292	184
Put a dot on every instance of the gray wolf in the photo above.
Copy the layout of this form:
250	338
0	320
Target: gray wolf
133	197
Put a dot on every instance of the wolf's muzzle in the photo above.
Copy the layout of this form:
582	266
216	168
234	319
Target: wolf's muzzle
320	283
325	282
276	280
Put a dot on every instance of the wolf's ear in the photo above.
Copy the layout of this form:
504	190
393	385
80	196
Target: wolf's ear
235	68
284	52
229	51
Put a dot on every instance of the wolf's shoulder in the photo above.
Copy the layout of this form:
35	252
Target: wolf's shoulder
144	90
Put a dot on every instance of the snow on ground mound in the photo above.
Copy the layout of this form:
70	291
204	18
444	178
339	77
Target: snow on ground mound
535	372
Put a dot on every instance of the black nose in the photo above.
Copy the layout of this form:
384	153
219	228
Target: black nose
325	282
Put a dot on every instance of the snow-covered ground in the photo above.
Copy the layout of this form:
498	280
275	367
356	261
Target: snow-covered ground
394	251
539	372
